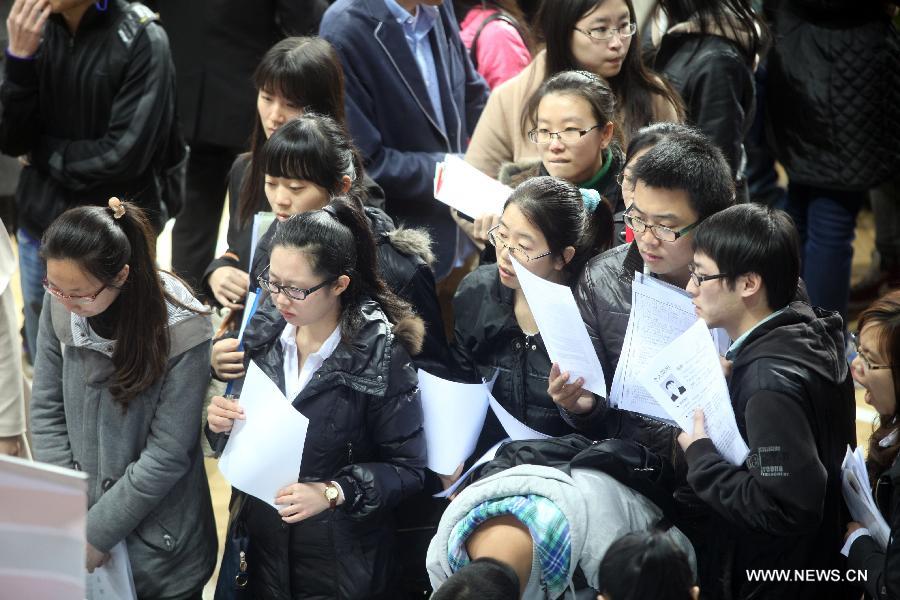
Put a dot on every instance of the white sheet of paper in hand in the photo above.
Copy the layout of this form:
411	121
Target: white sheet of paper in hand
562	329
658	316
687	375
514	428
858	496
453	417
463	187
113	580
489	455
265	450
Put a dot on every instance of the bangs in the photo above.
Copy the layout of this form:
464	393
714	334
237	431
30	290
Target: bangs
297	154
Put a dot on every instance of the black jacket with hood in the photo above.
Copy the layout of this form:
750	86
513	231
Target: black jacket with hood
365	433
794	404
93	112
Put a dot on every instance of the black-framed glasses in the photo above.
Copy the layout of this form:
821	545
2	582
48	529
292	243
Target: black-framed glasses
604	34
294	293
77	299
660	232
498	243
867	364
566	136
699	279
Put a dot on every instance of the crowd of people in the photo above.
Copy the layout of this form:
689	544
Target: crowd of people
625	131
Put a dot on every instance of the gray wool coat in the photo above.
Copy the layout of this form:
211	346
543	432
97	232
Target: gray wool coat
146	480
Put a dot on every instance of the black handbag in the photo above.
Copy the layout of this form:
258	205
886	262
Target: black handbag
233	580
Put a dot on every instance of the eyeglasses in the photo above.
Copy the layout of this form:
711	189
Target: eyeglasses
496	242
294	293
566	136
663	234
604	34
866	363
77	299
699	279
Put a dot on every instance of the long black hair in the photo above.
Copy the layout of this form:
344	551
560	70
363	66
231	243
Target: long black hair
557	208
306	71
736	16
316	148
339	241
102	245
635	85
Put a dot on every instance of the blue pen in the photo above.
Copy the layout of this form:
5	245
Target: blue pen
229	395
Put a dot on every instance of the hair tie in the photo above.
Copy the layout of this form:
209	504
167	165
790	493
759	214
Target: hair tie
117	207
591	199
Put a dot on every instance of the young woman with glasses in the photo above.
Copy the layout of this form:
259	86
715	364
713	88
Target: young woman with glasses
599	36
338	345
116	395
548	229
877	369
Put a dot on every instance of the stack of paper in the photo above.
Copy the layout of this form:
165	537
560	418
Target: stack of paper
562	328
461	186
687	375
858	496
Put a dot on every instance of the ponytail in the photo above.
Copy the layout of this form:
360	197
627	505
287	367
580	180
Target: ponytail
338	241
102	240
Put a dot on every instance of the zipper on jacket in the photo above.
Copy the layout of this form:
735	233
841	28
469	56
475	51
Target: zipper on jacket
349	453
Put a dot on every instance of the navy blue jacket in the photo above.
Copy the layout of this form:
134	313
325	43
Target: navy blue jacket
390	115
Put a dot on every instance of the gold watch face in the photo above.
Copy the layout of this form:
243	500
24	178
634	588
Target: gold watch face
331	493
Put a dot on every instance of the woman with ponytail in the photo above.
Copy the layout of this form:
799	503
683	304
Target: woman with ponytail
337	342
551	229
116	395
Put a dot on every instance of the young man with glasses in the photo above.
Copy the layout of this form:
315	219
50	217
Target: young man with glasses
792	395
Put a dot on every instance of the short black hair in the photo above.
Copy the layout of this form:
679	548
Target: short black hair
481	579
645	565
689	161
751	238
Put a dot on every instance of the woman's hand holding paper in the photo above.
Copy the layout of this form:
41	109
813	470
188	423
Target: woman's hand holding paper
221	414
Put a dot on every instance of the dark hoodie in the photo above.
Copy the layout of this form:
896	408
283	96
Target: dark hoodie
782	509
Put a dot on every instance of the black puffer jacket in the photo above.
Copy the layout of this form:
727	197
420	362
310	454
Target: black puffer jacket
487	338
404	257
883	582
782	509
833	93
366	434
93	112
714	75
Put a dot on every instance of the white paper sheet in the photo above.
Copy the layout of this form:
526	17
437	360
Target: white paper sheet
687	375
562	329
114	580
659	314
261	223
453	418
859	499
463	187
514	428
265	450
489	455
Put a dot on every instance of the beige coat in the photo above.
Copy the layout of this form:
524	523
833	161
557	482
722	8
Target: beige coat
12	403
498	137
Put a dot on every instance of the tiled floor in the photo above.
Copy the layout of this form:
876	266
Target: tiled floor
220	489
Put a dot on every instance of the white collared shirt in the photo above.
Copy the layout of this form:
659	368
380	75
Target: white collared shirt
295	378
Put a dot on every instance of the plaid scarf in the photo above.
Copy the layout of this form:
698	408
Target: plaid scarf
547	524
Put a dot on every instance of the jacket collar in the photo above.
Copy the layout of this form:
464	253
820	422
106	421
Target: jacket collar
632	263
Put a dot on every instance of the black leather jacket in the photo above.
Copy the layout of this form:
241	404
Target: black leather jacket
93	112
366	434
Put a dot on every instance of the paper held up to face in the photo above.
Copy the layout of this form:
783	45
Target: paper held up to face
265	450
461	186
686	375
453	417
562	328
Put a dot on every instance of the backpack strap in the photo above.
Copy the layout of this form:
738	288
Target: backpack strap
497	16
135	18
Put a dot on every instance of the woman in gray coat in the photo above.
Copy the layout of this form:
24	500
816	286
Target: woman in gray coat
116	395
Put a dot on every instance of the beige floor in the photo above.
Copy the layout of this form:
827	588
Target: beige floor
220	489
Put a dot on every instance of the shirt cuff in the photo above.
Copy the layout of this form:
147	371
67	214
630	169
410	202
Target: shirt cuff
340	490
853	537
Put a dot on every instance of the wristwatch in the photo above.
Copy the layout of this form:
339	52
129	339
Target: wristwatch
332	494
